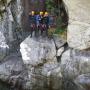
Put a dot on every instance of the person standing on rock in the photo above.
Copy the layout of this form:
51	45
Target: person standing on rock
45	23
39	21
32	21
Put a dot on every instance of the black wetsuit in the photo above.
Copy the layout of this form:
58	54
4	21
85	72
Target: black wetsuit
32	21
45	22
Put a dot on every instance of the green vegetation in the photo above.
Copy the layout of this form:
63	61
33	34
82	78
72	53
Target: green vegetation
58	31
2	7
50	6
57	8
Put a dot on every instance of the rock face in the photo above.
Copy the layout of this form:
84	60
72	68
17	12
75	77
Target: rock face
78	10
45	72
74	63
3	46
79	35
75	68
59	42
79	28
10	28
12	70
39	56
46	64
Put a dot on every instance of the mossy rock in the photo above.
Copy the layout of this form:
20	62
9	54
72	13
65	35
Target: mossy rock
60	32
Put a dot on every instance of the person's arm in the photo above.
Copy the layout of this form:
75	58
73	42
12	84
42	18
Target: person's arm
37	20
29	19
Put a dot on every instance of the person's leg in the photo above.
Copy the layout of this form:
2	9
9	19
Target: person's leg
35	31
46	30
31	33
41	32
40	29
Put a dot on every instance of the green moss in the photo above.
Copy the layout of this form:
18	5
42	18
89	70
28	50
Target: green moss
58	31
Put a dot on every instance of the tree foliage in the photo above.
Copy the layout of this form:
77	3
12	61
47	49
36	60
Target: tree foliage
50	6
3	6
53	6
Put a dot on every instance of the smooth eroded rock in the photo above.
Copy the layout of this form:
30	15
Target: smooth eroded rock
78	35
78	32
78	10
37	50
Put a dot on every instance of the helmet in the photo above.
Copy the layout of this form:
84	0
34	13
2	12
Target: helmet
46	13
41	12
32	12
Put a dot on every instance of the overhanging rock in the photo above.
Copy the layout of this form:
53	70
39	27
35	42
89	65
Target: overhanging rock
78	34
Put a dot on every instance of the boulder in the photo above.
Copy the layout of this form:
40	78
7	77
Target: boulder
12	66
37	51
56	79
78	33
12	71
83	81
74	63
39	77
39	57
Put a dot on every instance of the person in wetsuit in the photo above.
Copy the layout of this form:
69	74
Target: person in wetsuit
32	22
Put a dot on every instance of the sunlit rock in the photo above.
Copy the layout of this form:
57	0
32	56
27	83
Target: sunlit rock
78	33
37	50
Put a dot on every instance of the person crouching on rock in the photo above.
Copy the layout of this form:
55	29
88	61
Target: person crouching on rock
32	21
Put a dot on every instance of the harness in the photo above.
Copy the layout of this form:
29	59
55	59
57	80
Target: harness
33	26
43	27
